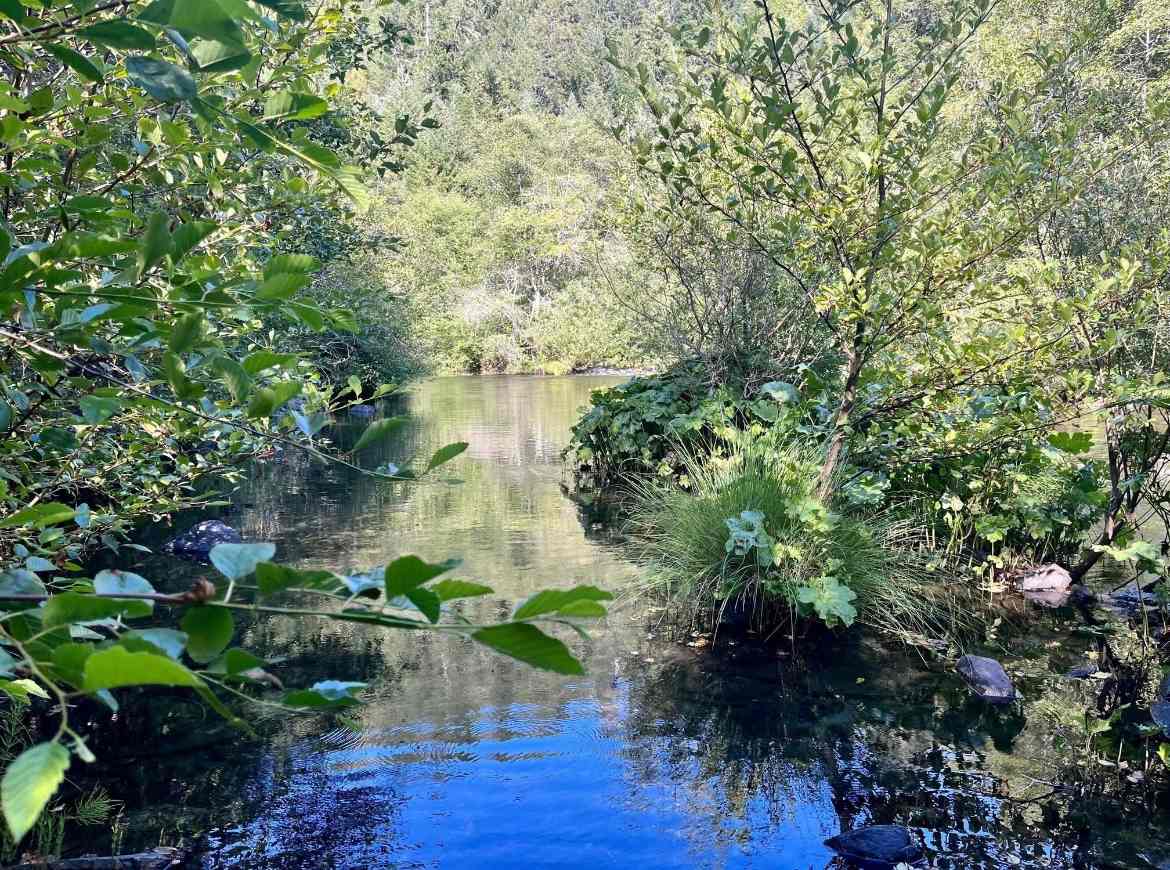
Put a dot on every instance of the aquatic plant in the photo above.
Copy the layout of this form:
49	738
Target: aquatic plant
749	532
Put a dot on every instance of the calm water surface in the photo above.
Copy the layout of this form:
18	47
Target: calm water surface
663	756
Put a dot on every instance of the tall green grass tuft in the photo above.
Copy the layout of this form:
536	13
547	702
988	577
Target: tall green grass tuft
747	531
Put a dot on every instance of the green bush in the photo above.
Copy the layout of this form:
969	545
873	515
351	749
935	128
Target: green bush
748	532
648	425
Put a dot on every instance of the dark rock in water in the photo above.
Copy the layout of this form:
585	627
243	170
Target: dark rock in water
1160	713
196	543
1160	709
1129	600
987	679
1046	578
361	411
877	846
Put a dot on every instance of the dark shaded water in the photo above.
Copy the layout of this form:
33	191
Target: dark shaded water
663	756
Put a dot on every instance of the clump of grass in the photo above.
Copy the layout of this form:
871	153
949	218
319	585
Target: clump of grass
747	531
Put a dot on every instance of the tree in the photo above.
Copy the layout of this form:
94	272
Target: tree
840	145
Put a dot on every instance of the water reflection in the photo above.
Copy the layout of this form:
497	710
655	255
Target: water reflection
663	756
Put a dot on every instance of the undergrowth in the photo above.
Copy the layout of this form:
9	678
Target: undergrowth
747	532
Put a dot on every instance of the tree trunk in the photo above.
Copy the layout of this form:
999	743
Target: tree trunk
839	426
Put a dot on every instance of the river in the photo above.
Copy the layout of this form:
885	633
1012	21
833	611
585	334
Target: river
664	755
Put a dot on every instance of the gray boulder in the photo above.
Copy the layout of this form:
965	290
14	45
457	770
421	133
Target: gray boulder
877	846
196	543
987	679
1046	578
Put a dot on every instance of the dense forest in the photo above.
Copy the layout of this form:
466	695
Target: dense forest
886	284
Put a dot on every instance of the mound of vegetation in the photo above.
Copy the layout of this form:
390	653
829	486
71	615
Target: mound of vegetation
746	536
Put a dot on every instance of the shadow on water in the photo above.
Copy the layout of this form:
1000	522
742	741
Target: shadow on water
662	756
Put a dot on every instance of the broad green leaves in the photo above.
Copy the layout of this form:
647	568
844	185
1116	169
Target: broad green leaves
119	34
209	630
326	695
30	780
445	454
529	644
39	516
117	666
379	431
831	599
409	572
236	561
288	106
580	601
164	81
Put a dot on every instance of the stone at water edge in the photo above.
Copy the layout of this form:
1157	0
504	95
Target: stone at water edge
1046	578
987	679
877	846
196	543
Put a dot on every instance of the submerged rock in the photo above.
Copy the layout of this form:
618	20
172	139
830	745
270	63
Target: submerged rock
361	410
1046	578
1160	709
1129	600
987	679
196	543
877	846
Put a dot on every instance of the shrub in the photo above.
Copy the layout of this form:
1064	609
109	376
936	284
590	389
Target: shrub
748	532
652	425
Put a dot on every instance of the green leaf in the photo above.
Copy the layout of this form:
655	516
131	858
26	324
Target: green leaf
1072	442
209	631
155	242
116	666
292	9
527	643
118	33
125	583
555	600
76	61
289	106
266	400
163	81
408	572
272	578
65	608
185	389
40	515
234	377
449	590
445	454
379	431
290	263
257	362
281	286
236	561
69	661
236	661
164	640
18	581
426	601
188	235
98	409
327	693
212	56
781	392
204	18
30	781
